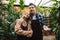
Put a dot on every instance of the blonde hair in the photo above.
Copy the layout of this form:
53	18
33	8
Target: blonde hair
24	14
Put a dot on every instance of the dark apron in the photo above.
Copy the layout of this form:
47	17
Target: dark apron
37	30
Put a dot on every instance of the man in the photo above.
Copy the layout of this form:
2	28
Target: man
36	23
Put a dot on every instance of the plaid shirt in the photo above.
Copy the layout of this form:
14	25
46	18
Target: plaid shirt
40	18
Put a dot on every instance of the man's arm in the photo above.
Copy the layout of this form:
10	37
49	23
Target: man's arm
41	20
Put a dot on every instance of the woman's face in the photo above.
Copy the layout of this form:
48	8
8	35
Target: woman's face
26	15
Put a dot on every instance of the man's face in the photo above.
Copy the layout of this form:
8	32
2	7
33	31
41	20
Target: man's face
32	9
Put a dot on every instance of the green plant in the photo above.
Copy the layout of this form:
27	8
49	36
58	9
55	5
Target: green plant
54	17
7	18
21	4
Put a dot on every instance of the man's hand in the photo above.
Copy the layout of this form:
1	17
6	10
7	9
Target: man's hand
46	28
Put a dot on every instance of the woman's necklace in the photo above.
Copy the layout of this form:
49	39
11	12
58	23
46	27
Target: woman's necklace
25	24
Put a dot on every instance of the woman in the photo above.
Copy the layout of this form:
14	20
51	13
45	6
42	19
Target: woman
23	28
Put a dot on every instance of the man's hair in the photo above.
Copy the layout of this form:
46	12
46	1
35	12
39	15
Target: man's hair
32	4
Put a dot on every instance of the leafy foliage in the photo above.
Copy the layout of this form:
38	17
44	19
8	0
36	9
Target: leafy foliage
7	20
54	18
21	4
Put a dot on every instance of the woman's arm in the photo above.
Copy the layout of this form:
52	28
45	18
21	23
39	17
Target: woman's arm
29	27
30	31
18	29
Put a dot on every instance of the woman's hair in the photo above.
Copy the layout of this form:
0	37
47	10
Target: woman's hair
27	19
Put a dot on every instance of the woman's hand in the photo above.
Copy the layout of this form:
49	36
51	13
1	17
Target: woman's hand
30	33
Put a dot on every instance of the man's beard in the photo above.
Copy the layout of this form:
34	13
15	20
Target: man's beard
32	12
